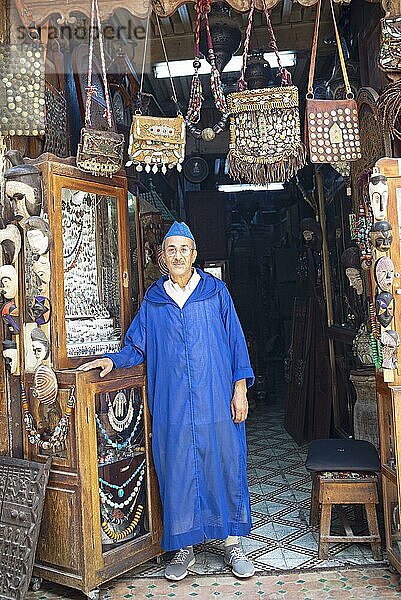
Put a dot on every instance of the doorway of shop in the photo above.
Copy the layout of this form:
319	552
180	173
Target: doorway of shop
267	246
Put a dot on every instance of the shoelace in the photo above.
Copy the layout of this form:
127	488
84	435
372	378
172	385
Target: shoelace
237	553
180	557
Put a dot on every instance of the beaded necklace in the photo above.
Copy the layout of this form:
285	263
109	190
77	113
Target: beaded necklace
60	432
120	488
374	335
125	443
202	7
106	500
363	229
117	537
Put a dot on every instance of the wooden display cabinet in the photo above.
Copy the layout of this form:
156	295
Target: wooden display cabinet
102	511
388	383
70	550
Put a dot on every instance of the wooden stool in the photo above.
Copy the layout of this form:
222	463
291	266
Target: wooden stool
344	472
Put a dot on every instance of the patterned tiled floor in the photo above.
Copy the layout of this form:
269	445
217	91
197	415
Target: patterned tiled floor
280	489
356	584
282	545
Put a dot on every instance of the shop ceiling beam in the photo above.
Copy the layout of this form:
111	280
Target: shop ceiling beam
168	7
293	36
43	9
66	11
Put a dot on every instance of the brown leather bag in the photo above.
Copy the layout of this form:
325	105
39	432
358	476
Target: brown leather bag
332	127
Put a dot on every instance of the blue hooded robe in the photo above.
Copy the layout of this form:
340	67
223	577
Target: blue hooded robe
194	355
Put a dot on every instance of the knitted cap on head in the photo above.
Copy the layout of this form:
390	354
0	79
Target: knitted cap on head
181	229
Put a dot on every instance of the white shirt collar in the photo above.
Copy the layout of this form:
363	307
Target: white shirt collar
178	294
190	286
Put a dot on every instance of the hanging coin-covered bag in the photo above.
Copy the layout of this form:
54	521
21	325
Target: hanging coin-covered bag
22	89
332	126
156	142
99	152
265	133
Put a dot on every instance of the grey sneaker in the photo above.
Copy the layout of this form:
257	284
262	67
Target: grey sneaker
179	564
240	565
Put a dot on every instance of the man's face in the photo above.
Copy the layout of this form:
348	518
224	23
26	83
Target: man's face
179	255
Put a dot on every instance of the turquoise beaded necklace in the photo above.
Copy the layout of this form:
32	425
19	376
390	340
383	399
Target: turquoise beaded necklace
126	442
120	488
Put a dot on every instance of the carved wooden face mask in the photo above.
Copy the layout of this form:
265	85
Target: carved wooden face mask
382	236
10	354
384	308
355	279
9	313
384	273
40	310
378	194
390	341
8	281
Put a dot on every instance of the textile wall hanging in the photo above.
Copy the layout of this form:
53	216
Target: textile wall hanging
99	152
265	134
22	89
331	125
56	122
56	138
156	142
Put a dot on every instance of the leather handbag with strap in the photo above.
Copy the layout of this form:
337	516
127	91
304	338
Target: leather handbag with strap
100	152
156	142
332	126
390	45
265	133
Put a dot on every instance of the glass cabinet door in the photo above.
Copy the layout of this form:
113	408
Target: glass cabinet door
122	466
91	272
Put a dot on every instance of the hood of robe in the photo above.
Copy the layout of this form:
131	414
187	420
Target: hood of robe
207	287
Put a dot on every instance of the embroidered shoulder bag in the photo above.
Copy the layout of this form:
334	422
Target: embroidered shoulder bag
332	126
156	142
99	152
265	133
390	46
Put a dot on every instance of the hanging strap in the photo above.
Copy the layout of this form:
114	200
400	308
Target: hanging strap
91	90
174	93
145	49
284	74
310	95
215	80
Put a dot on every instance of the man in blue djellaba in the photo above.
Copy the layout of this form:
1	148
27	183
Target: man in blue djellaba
198	370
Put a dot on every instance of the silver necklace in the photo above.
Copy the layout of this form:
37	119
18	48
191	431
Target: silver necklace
116	409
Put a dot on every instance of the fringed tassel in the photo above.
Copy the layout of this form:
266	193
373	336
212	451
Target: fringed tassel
389	107
250	170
